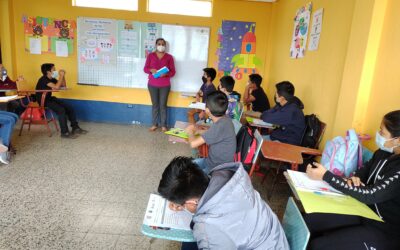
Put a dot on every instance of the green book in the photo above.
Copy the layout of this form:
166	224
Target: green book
178	132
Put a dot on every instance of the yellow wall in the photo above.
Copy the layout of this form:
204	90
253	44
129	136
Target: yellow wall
29	65
385	91
318	76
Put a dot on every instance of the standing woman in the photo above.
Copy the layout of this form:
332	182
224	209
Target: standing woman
159	87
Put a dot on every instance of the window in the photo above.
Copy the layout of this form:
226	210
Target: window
108	4
181	7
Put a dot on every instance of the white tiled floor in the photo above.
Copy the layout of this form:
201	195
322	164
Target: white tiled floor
87	193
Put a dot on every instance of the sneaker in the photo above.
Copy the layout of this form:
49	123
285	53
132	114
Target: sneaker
4	158
3	148
78	130
69	136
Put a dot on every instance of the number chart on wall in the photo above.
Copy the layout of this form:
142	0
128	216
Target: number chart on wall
113	52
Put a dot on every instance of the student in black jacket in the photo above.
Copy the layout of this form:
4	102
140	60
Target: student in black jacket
377	184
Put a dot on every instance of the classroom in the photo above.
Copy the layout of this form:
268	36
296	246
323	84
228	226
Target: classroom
92	192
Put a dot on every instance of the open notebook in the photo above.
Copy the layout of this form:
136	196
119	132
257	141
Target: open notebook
319	197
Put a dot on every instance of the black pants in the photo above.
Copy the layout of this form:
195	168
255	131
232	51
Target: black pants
63	111
335	231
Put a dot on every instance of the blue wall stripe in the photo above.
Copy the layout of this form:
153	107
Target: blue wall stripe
121	113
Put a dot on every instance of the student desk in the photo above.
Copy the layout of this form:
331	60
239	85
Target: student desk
5	100
284	152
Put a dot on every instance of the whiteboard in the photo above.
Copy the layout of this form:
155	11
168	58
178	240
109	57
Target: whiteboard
113	52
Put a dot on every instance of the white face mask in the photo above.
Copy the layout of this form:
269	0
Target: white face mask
380	142
54	74
160	48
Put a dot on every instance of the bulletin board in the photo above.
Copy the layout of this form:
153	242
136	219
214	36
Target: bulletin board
113	52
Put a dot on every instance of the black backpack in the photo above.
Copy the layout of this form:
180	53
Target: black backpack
312	131
246	145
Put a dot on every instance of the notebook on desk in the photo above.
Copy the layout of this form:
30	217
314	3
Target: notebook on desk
161	222
319	197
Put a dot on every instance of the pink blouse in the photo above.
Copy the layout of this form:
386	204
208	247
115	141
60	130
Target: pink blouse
152	62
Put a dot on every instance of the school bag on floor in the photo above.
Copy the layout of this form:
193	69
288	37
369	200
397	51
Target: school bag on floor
246	145
343	155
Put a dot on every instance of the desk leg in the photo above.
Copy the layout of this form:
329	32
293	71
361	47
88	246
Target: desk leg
295	166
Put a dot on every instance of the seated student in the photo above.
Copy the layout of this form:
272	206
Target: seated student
287	113
7	84
227	212
255	94
377	184
227	83
220	137
48	82
7	123
207	87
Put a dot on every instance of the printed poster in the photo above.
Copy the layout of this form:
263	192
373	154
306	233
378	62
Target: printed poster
316	29
300	32
97	41
150	33
48	31
129	39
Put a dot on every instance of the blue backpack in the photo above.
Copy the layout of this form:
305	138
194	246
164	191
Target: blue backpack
343	155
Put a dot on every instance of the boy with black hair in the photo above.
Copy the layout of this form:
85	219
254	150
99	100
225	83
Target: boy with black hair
287	113
227	83
49	82
227	212
207	87
255	94
220	137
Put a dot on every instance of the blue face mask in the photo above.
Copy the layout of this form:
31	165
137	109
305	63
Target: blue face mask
54	74
380	142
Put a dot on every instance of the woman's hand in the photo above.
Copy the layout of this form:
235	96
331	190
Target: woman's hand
153	71
191	129
316	171
354	180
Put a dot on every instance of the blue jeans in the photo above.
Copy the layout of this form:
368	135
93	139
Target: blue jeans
202	164
7	123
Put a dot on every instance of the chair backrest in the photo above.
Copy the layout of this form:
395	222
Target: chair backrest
295	228
259	140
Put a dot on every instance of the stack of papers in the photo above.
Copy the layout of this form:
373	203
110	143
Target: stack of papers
198	105
302	182
178	132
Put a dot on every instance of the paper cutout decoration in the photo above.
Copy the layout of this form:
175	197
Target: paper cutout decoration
236	47
49	31
316	29
300	31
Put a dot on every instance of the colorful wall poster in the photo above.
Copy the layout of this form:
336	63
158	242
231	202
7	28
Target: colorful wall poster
150	33
316	29
300	32
129	38
97	40
48	31
236	49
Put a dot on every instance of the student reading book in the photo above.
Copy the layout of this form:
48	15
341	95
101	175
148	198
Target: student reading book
227	212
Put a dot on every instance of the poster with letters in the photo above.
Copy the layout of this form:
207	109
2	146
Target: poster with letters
316	29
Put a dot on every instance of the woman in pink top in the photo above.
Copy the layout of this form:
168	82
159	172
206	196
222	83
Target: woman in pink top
159	87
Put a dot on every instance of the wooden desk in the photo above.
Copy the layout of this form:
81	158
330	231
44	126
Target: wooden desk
284	152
